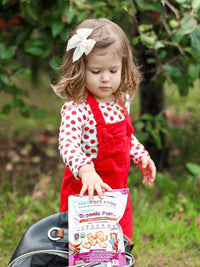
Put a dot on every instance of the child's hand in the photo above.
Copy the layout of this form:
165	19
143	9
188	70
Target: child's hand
148	169
92	181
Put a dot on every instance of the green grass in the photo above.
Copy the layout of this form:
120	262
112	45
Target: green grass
41	96
181	105
17	214
165	228
166	215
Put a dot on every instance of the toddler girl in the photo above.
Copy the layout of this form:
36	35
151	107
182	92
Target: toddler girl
96	138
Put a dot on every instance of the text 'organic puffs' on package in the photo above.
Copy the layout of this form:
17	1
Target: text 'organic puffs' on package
94	231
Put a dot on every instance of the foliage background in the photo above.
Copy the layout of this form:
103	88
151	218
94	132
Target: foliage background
165	39
33	32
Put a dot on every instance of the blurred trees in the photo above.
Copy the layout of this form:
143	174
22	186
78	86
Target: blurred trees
164	34
168	49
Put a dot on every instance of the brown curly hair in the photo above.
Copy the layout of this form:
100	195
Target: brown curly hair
71	85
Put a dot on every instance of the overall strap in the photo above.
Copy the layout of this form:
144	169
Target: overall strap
127	117
95	109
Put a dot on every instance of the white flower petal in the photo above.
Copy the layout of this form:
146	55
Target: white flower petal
84	32
73	42
89	46
78	52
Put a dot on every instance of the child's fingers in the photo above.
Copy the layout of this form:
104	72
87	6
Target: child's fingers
99	190
83	189
152	174
91	192
90	189
106	187
144	161
144	179
152	169
150	181
148	170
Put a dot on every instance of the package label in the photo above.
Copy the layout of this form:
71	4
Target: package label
95	234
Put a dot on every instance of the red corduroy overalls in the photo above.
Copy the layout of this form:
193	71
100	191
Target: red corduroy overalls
112	162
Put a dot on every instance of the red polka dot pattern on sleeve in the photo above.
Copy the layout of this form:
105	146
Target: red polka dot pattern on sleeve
137	150
71	136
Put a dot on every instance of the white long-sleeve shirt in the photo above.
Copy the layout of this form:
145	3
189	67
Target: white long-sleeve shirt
78	143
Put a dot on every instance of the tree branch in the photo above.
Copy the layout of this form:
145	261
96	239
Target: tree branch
172	8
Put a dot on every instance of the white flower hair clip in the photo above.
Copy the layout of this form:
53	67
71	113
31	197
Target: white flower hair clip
82	44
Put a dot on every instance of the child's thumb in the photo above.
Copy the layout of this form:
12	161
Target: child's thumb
144	162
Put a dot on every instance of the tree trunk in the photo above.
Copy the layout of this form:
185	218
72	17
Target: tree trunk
152	102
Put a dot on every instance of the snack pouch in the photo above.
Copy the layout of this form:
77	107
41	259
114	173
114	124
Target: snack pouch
95	234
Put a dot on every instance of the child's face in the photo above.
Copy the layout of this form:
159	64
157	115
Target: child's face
103	74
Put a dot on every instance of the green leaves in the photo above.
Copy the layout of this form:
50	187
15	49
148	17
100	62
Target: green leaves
7	52
188	25
196	4
168	29
193	168
37	47
193	71
148	37
152	127
149	5
55	63
183	79
5	110
195	43
56	28
31	9
171	34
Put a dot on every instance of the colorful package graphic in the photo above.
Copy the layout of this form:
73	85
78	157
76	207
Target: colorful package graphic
94	231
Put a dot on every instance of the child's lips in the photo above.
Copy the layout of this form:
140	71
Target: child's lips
105	88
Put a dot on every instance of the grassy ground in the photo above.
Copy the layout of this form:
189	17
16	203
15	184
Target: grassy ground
166	215
167	224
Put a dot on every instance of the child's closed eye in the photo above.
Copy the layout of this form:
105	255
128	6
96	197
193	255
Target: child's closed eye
98	71
95	71
113	71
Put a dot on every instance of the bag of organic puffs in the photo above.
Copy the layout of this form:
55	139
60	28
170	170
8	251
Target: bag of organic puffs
94	231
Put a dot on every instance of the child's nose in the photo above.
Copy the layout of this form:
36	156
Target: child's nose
105	77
